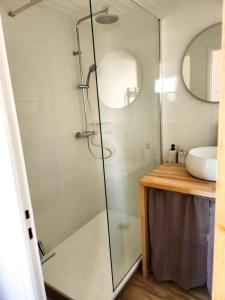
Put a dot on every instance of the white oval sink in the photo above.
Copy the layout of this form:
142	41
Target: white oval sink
202	163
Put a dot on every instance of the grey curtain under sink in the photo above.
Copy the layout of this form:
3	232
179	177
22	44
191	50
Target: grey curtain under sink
210	247
179	233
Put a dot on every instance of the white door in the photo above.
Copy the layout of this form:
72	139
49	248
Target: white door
20	268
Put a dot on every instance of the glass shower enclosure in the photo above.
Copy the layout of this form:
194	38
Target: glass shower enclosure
127	56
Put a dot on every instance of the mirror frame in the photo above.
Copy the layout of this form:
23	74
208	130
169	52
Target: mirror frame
182	61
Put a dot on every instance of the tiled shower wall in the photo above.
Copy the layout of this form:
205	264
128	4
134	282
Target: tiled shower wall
66	182
187	122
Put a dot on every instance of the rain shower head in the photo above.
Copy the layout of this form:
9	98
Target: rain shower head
106	18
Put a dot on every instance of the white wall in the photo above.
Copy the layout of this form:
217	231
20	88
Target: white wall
66	183
187	122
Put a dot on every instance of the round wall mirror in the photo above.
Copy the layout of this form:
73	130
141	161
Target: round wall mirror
201	64
118	79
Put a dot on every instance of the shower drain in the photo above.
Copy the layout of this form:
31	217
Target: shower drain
123	226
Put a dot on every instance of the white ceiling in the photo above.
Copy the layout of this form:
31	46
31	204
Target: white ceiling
119	7
158	8
75	7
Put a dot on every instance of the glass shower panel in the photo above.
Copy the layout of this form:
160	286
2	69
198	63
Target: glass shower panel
126	45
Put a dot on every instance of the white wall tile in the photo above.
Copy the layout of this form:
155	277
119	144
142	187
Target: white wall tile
187	121
32	85
66	182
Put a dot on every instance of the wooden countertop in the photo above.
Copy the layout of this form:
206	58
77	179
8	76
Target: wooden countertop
174	177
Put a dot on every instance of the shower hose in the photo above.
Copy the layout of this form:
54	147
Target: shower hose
90	139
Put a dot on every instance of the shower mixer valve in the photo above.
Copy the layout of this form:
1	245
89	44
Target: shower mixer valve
84	134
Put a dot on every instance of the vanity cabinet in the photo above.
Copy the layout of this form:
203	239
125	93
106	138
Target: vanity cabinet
177	212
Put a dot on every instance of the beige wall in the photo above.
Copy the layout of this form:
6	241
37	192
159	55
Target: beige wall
66	183
187	122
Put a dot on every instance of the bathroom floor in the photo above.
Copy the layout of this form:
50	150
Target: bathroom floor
140	288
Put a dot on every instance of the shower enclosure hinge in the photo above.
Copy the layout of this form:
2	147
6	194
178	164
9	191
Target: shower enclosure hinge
75	53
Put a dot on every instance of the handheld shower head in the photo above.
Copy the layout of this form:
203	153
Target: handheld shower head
92	69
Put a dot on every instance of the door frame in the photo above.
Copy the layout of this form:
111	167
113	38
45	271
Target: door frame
219	242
